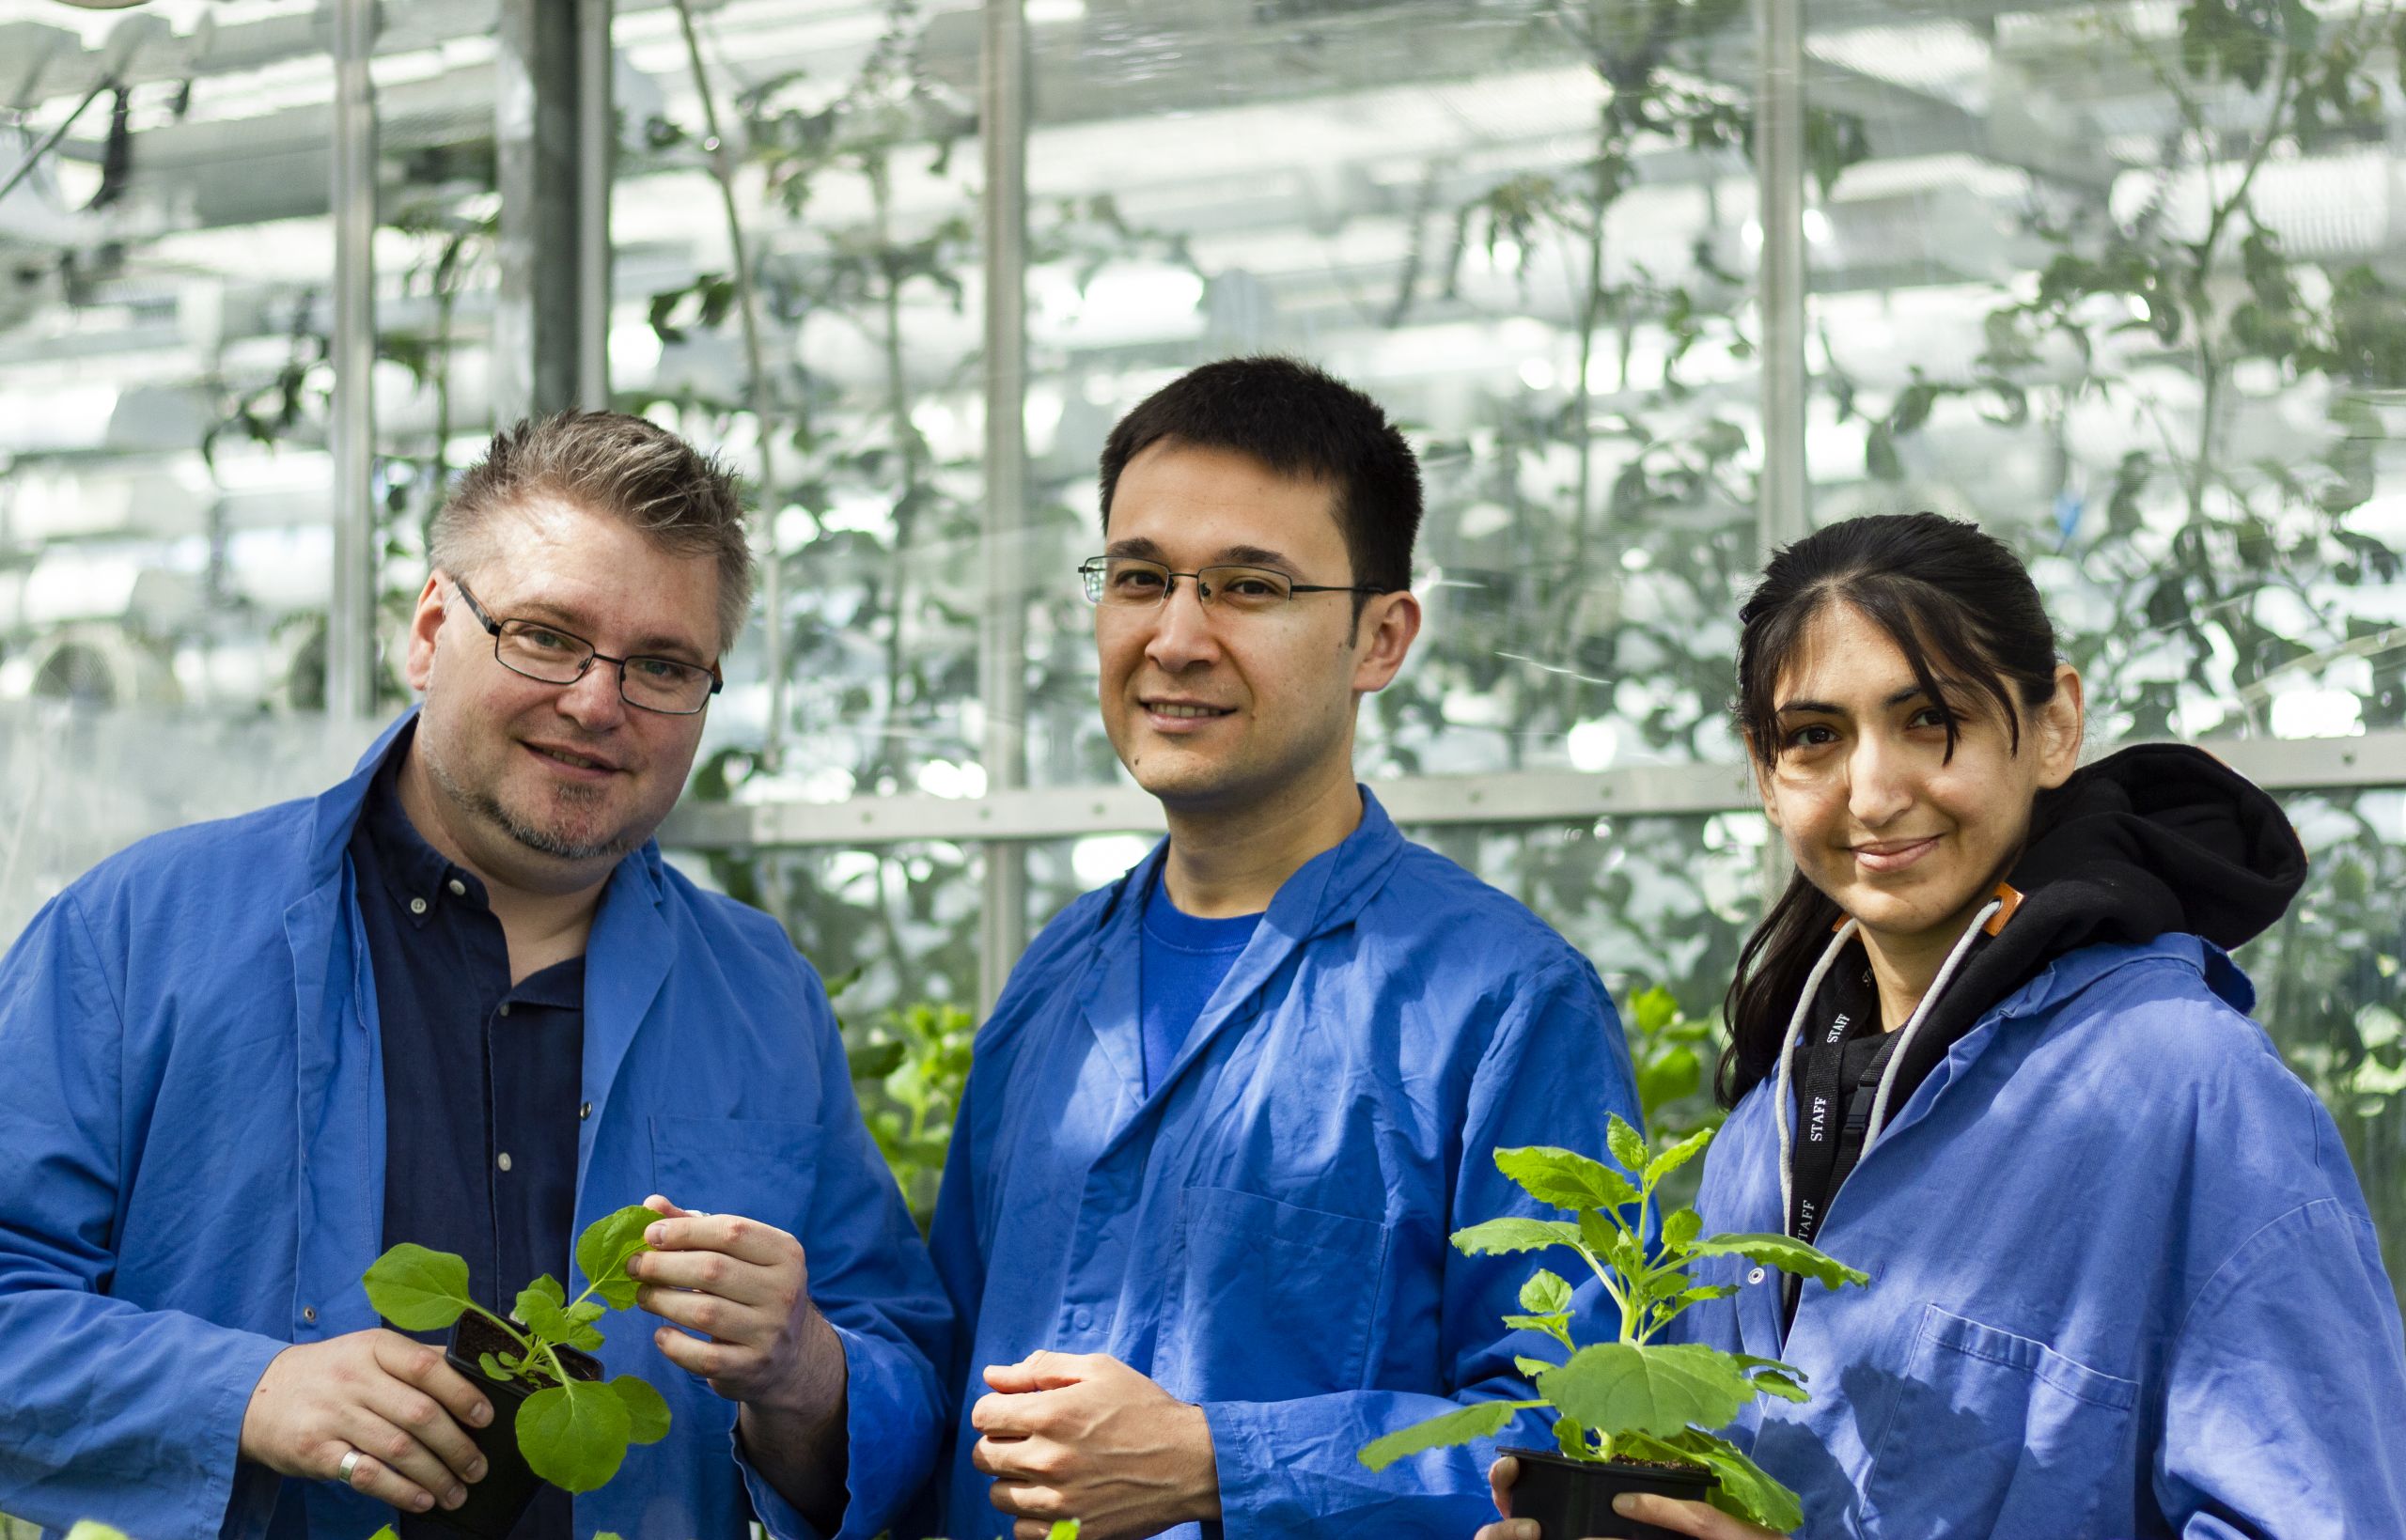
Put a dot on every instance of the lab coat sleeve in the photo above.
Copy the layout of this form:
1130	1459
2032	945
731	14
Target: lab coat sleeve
107	1410
1554	1070
2286	1387
870	1277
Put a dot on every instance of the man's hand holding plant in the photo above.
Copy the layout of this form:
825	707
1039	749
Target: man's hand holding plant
392	1401
741	1290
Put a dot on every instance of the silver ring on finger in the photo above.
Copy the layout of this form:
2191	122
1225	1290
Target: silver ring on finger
349	1467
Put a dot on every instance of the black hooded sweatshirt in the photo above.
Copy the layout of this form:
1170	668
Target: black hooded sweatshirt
2156	839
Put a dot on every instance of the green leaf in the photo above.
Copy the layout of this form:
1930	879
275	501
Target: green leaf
1563	1179
1616	1388
1652	1009
1557	1327
1879	459
416	1289
1628	1145
1677	1156
1514	1234
491	1366
1063	1528
603	1251
1680	1230
1772	1382
539	1308
1746	1491
1529	1366
1788	1255
1571	1439
1479	1420
646	1409
585	1311
1545	1294
92	1529
573	1435
875	1061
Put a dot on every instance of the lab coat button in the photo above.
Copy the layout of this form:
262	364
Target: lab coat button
1755	1276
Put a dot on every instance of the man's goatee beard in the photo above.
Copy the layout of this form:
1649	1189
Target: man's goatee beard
538	839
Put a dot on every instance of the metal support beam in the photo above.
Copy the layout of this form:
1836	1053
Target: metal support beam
1783	496
350	610
1779	169
2373	762
596	146
1001	656
538	314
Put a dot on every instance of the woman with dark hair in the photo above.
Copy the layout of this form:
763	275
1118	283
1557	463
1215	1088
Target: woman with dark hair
1990	1047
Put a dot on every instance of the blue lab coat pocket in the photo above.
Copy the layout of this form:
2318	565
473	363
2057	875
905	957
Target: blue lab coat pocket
1290	1294
759	1167
2026	1439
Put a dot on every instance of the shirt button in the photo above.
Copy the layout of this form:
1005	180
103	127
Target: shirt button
505	1007
417	906
1083	1319
1754	1277
504	1161
585	1111
309	1313
458	889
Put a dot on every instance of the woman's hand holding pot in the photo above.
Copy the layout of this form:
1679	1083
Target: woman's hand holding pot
1700	1519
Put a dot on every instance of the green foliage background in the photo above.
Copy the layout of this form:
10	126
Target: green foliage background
1588	542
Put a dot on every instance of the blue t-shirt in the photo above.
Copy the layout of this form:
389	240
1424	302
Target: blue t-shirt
1185	959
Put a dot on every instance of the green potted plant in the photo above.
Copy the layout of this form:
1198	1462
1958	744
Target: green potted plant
1632	1415
555	1419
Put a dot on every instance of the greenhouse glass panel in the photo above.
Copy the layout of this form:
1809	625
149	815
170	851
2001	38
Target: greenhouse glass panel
1518	227
2120	282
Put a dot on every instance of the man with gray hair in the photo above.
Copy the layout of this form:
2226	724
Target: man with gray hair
460	1001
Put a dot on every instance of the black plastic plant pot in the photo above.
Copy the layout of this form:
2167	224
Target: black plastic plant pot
494	1503
1572	1499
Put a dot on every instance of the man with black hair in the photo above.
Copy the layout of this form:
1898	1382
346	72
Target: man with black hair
1229	1108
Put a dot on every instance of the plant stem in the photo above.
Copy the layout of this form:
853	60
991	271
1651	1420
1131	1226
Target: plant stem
756	386
525	1343
1603	1276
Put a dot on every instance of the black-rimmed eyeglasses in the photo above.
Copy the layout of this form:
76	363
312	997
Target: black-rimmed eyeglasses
548	655
1135	584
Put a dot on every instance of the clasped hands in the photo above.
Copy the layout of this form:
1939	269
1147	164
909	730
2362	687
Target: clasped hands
740	1287
1083	1436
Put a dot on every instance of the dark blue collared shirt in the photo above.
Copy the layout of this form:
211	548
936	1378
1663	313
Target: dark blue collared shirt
482	1079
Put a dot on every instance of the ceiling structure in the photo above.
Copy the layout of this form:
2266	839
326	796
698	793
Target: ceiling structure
1309	156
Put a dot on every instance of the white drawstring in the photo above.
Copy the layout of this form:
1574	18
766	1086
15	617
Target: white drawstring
1787	1057
1921	1012
1896	1058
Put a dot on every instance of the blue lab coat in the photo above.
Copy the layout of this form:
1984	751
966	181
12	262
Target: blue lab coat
192	1133
2123	1283
1265	1234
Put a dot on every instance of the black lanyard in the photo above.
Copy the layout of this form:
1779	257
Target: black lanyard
1833	1108
1846	1006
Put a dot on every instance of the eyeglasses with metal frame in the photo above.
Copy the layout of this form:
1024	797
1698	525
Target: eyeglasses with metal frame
540	651
1132	582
